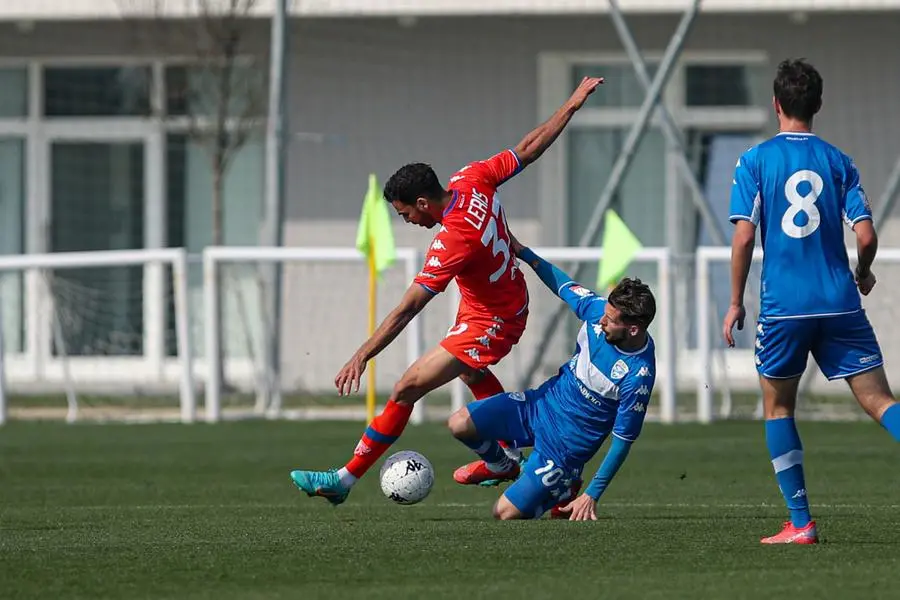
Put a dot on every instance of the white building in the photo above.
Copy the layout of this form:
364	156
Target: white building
86	165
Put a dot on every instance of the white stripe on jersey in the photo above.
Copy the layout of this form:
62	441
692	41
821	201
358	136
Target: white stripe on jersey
587	372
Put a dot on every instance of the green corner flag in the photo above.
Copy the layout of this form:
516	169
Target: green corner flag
374	237
619	247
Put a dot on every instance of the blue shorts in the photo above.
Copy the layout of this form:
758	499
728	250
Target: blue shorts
545	480
542	485
842	345
504	417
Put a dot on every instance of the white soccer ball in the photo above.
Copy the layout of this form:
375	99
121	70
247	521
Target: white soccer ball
407	477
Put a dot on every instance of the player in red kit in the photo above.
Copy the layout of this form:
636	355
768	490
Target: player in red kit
472	246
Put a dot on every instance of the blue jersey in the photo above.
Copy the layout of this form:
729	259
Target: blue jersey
800	191
602	389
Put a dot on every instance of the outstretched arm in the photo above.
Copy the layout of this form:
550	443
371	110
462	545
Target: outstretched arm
412	303
538	140
583	302
584	507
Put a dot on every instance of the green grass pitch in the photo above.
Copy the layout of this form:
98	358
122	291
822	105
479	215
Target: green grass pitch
200	511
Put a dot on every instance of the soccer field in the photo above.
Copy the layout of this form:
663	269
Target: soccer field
174	511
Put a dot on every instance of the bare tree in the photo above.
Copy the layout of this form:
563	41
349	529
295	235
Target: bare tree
216	88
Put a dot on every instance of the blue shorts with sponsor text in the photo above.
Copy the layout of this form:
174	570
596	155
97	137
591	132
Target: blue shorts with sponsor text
842	346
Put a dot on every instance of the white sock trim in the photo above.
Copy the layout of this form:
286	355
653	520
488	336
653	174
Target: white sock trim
787	460
347	478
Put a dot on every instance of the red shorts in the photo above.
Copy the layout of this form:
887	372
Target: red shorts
481	341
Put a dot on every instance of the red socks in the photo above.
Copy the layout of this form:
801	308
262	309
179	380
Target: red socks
383	431
487	387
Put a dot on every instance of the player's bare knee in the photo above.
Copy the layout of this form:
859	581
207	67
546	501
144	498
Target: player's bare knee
502	513
872	391
460	424
472	377
504	510
406	391
779	397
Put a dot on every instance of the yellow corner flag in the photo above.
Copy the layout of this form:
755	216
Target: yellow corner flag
619	247
375	239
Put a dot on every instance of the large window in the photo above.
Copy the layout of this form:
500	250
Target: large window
12	240
13	194
106	154
13	92
98	203
97	91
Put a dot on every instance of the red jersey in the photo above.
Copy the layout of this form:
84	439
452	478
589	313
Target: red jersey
473	245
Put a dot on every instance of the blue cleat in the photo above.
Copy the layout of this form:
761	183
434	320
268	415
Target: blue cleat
326	484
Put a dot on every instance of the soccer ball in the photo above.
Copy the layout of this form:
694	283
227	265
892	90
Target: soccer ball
407	477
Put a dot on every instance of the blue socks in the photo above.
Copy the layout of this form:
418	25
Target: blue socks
488	451
787	459
890	420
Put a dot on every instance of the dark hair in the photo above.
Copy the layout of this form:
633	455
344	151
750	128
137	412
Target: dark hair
798	89
416	180
635	301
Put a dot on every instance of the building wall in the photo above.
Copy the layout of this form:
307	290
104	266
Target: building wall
368	95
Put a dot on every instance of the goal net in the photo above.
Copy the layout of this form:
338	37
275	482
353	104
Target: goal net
96	336
254	371
324	296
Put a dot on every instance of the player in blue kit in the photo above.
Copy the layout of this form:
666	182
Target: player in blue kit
798	190
604	389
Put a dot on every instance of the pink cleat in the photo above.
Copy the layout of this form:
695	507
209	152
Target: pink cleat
794	535
478	471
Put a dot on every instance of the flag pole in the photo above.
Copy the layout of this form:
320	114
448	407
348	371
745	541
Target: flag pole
370	387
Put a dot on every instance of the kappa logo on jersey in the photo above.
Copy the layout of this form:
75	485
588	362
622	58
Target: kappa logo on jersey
493	330
759	328
643	391
434	262
438	245
473	354
619	370
639	407
484	341
442	229
644	372
580	291
598	329
759	345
